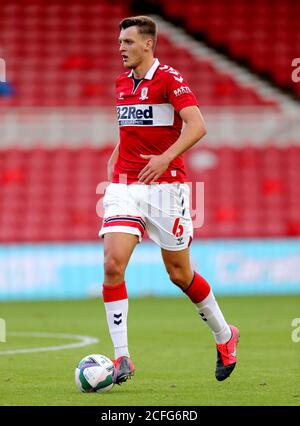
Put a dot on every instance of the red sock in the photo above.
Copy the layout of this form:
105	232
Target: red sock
112	293
198	290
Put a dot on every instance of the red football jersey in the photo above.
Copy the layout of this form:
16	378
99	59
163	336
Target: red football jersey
149	120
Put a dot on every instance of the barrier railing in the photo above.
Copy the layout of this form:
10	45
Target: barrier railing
54	127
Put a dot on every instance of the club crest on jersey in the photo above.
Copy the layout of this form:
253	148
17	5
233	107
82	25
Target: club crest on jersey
144	94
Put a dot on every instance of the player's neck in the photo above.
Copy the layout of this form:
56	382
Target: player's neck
141	70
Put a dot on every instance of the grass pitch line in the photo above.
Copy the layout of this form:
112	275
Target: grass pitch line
82	341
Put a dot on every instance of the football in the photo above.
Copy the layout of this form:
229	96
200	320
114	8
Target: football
94	373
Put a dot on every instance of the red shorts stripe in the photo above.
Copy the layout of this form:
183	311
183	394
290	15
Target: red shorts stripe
125	223
124	217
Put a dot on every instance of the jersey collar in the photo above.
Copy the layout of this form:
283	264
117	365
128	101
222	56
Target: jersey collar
150	73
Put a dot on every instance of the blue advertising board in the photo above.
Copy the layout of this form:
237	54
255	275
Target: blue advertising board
232	267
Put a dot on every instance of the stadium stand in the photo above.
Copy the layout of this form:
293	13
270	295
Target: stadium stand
261	34
61	54
49	195
212	86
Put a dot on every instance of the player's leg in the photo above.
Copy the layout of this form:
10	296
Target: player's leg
118	248
179	268
122	228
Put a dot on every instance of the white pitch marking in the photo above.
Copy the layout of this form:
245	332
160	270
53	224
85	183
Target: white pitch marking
83	341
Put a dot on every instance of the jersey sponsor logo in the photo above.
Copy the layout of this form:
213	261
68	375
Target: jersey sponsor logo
135	115
145	115
181	90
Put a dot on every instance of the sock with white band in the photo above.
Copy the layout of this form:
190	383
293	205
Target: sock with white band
116	306
202	296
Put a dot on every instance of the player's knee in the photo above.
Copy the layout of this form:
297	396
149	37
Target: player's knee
114	269
178	276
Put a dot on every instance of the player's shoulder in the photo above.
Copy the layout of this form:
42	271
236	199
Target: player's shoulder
169	73
123	76
166	69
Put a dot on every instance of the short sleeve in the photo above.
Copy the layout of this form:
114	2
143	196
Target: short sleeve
178	92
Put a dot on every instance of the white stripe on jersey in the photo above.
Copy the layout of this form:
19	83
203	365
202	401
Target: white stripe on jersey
146	115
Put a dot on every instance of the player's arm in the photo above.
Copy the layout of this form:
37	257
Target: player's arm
111	162
193	131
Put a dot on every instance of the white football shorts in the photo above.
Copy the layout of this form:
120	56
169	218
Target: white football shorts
160	209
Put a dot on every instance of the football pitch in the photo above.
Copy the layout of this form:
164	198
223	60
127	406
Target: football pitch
172	349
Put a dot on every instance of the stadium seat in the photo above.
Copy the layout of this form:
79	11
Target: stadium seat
69	56
249	192
260	33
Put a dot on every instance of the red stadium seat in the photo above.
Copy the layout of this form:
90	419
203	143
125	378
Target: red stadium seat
67	58
243	197
265	34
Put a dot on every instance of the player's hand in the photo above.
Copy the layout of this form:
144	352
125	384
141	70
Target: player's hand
157	165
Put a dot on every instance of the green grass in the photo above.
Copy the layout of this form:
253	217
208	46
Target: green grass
172	349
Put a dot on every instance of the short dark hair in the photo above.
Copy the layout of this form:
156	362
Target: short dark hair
146	26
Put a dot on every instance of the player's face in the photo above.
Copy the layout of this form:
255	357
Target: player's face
133	47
